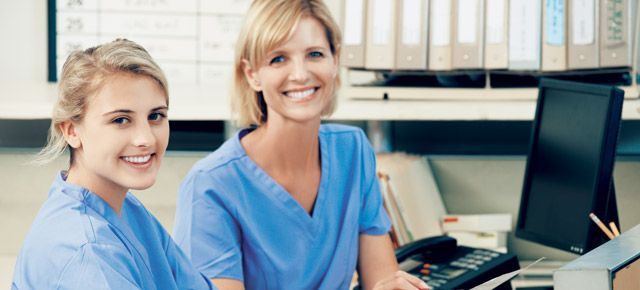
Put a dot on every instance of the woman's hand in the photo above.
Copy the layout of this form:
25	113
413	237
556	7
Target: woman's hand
401	280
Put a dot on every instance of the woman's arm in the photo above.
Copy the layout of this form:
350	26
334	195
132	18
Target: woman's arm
378	268
228	284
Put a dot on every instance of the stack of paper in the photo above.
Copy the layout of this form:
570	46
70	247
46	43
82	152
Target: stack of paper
487	231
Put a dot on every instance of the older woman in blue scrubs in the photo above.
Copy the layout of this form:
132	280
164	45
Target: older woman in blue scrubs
91	233
288	203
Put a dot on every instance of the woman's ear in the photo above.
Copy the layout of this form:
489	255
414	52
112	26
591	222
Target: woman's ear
70	133
251	76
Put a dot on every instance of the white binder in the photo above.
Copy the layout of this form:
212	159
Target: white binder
583	34
524	34
468	44
440	35
554	39
616	37
412	34
496	54
354	15
381	35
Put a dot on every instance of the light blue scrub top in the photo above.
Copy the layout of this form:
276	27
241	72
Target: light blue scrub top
78	242
234	221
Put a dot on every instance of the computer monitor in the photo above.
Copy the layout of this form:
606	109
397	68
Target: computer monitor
570	164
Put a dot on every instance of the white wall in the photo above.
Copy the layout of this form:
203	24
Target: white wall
23	34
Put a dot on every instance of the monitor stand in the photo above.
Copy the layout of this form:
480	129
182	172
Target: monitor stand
610	215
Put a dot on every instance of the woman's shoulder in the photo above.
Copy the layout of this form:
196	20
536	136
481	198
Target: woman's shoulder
228	152
343	136
340	129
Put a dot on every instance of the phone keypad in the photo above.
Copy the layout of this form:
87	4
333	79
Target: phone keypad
438	275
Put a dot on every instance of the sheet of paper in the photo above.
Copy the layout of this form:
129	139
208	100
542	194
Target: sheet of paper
497	281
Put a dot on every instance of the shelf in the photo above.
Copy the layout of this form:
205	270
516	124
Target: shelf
456	94
35	101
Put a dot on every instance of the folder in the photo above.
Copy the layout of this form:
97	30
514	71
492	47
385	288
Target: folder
616	36
353	45
412	34
381	35
583	34
497	30
524	34
440	35
554	40
468	44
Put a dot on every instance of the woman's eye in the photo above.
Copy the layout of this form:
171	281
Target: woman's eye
120	121
156	116
316	54
277	59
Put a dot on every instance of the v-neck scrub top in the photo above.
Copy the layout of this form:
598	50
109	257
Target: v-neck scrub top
235	221
78	242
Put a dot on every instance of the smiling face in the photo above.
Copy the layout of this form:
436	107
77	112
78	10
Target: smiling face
120	142
297	77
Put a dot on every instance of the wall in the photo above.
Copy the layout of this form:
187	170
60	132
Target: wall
23	53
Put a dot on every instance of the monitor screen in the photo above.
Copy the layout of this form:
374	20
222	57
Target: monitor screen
569	168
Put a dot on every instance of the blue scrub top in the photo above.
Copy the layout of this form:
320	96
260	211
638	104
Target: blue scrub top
78	242
234	221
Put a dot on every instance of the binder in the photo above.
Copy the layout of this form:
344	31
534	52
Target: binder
497	30
554	40
583	34
381	35
353	45
524	34
440	35
412	34
468	47
616	33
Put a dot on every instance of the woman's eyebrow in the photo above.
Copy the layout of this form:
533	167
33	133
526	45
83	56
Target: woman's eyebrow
126	111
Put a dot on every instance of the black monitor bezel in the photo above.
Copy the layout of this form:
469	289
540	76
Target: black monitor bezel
604	196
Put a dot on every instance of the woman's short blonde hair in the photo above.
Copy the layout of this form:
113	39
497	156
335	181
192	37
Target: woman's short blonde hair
83	74
268	24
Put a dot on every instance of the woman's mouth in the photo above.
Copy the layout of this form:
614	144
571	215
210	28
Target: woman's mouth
302	94
140	161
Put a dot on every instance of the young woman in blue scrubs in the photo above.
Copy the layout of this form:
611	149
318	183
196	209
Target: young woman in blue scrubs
91	233
288	203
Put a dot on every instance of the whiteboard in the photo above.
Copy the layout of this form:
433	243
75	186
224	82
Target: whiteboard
192	40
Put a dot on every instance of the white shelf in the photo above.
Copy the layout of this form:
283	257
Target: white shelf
35	100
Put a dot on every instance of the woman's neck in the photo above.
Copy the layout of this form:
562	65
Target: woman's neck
112	194
286	148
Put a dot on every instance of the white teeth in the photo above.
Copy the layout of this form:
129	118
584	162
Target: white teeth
137	159
300	94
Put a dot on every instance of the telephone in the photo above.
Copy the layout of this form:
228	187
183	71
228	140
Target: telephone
442	264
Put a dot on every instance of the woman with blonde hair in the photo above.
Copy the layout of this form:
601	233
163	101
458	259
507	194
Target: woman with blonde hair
91	233
288	203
